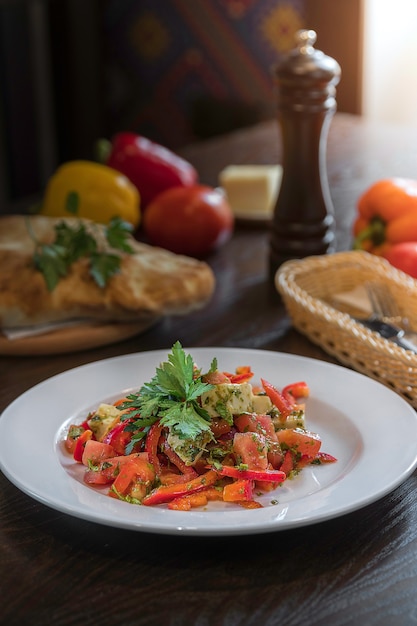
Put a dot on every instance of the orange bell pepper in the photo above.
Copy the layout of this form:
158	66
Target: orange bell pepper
387	215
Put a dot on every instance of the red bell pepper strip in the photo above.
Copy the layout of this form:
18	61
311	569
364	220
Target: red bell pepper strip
242	375
295	391
151	167
166	493
200	498
274	476
118	437
151	445
238	379
283	405
250	504
80	444
324	457
177	461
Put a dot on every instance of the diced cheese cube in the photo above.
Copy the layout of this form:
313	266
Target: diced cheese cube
251	190
236	398
103	419
261	404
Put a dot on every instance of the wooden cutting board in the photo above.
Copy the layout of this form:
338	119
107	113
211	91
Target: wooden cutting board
73	338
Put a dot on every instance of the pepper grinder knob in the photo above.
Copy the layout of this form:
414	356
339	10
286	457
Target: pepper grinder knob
305	40
303	221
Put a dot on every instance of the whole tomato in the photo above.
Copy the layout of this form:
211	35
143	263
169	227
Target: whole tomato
189	220
403	256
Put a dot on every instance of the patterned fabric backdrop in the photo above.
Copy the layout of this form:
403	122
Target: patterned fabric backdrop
178	70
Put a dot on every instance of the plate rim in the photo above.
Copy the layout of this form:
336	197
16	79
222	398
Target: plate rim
166	526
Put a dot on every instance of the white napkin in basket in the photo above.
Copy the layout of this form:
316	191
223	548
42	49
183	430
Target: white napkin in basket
357	298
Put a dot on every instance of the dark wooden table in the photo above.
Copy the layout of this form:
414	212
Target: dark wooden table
357	569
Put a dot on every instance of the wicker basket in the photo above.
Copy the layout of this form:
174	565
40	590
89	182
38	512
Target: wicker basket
308	287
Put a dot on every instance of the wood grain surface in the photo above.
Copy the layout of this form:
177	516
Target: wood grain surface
359	569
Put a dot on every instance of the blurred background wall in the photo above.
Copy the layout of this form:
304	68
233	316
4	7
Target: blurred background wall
176	71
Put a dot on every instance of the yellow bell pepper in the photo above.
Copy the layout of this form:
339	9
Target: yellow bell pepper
102	193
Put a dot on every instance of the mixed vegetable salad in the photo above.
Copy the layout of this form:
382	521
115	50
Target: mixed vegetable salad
188	437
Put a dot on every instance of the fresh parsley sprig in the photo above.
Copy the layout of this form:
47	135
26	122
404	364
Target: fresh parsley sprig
73	242
172	397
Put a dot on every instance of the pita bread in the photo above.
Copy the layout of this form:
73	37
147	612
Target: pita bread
152	282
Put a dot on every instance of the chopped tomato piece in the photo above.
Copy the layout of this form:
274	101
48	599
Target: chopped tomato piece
255	423
219	427
288	463
95	452
251	449
300	441
134	479
110	468
74	432
125	477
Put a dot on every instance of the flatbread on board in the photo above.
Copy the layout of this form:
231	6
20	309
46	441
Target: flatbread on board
152	282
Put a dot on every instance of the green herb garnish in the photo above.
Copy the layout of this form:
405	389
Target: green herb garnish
73	242
172	397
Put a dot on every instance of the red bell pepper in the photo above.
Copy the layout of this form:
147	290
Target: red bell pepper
177	461
151	167
151	445
79	446
118	437
275	476
324	457
200	498
283	405
295	391
166	493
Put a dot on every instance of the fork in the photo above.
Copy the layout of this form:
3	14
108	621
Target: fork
381	324
385	306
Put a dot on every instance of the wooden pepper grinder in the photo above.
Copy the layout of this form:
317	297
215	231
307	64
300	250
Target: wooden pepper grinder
303	222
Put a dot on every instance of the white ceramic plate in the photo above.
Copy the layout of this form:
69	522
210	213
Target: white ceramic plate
361	422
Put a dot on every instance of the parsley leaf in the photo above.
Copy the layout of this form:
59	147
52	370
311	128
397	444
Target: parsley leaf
76	241
72	203
117	233
51	261
103	267
172	396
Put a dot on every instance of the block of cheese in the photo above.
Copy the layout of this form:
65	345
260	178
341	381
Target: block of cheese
251	190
